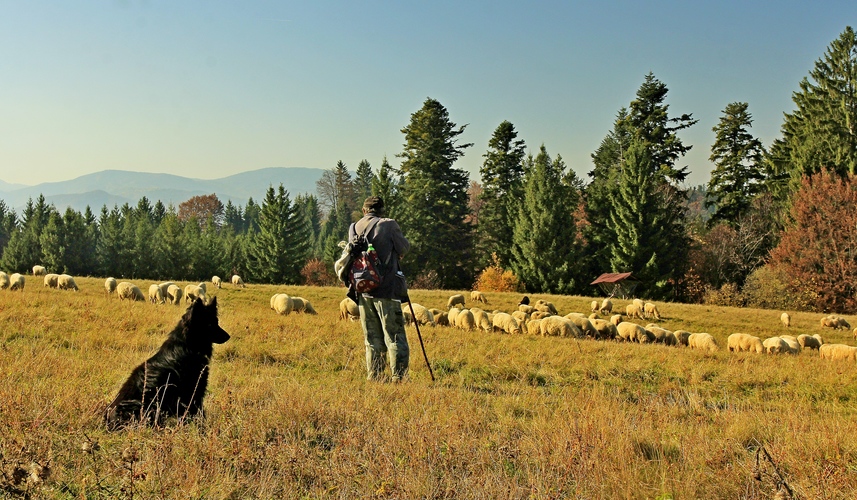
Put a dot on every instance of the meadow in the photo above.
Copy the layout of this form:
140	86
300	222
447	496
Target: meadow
289	413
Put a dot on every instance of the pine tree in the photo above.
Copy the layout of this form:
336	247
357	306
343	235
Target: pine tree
545	248
737	157
502	180
280	249
53	243
386	186
434	197
173	261
8	225
362	182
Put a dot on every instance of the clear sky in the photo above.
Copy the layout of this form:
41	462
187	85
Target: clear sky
207	89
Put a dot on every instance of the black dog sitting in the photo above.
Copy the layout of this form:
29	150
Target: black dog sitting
171	383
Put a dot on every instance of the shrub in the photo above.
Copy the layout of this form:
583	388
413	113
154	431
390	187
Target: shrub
496	279
316	273
769	288
428	280
727	295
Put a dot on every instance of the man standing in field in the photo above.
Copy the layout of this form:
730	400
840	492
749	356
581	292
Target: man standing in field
381	309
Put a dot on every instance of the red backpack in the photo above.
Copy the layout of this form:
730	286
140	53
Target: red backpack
366	269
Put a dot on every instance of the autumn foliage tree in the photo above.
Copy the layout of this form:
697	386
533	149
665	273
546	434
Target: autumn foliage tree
818	249
202	207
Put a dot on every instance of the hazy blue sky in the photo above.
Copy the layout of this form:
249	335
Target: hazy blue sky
208	89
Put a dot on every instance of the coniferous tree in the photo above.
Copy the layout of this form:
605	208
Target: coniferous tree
251	216
386	186
502	179
363	182
309	206
111	250
233	217
53	242
79	252
8	224
545	249
737	157
173	261
280	249
434	197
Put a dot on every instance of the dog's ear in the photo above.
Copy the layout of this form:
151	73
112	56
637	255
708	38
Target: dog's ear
213	304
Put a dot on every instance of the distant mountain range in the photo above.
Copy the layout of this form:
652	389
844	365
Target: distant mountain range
117	187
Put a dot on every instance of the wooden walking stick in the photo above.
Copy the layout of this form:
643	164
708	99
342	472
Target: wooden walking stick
417	325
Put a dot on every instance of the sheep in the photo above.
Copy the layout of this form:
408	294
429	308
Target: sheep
651	311
302	305
165	288
606	330
838	352
557	326
594	316
583	324
440	317
807	342
282	304
174	294
606	306
540	314
66	282
843	324
155	295
835	322
51	280
776	345
129	291
521	317
506	323
477	296
662	335
616	319
482	320
455	300
216	281
423	315
110	285
236	280
348	309
593	306
786	320
4	280
545	306
682	336
452	314
526	308
16	282
193	292
533	327
39	270
702	341
634	311
632	332
464	320
792	343
742	342
204	288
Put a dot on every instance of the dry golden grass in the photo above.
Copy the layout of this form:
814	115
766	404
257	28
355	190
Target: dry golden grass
289	413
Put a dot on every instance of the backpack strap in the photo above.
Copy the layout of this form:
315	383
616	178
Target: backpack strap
369	227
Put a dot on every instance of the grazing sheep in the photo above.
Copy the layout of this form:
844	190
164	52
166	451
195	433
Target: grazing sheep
808	342
606	306
786	319
165	288
51	280
506	323
348	309
843	324
465	320
533	327
651	311
742	342
838	352
482	319
682	337
540	314
440	317
521	317
632	332
593	306
579	315
155	295
455	300
638	303
302	305
835	322
525	308
174	294
477	296
594	316
110	285
282	304
423	315
606	330
793	345
557	326
39	271
776	345
662	335
616	319
204	288
634	311
66	282
236	280
452	314
545	306
16	282
583	324
4	280
193	292
129	291
702	341
216	281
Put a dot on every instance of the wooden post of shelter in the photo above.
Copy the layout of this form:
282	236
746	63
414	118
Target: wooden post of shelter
619	285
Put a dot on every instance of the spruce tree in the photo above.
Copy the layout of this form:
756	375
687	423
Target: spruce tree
173	259
544	237
434	197
362	182
279	250
502	179
386	186
737	157
53	243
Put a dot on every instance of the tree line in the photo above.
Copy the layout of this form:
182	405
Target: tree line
528	215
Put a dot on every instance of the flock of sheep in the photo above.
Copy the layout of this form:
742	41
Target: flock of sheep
542	318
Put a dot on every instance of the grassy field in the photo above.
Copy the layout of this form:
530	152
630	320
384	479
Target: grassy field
289	413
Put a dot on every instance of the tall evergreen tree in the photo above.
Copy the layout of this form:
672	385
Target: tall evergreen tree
79	254
53	243
502	180
738	170
280	249
8	224
363	182
386	185
545	248
434	197
173	259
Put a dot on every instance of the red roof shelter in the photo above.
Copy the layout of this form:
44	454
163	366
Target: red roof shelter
620	285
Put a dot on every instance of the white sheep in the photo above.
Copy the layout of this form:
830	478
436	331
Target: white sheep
533	327
606	306
302	305
193	292
482	319
282	304
606	330
632	332
16	282
638	303
651	311
455	300
110	285
477	296
682	336
174	294
808	342
545	306
838	352
452	314
835	322
583	324
155	295
593	306
526	308
39	270
129	291
51	280
775	345
633	311
440	317
793	344
204	288
702	341
506	323
616	319
742	342
66	282
662	335
422	315
348	309
557	326
541	314
786	319
236	280
4	280
464	320
521	317
216	281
